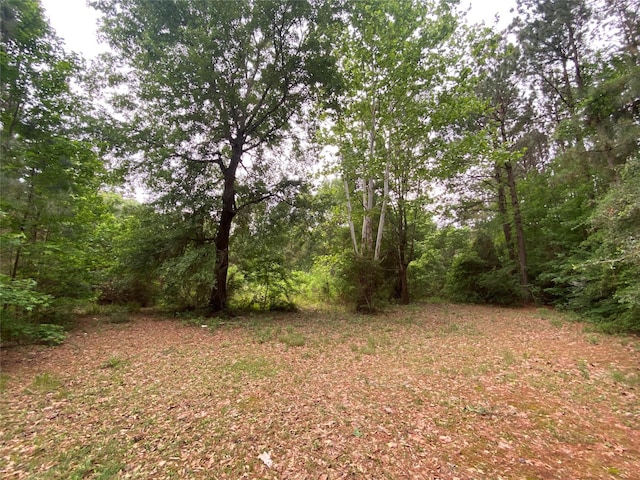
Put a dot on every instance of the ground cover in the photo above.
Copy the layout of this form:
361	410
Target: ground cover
425	392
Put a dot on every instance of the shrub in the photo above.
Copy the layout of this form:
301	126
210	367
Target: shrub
22	304
472	280
363	283
50	334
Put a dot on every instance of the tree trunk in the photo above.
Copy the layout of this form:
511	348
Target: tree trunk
403	264
383	209
404	284
218	300
350	217
502	209
517	221
366	247
23	225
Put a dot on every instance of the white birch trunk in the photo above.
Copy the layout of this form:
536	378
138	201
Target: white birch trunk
376	255
367	192
350	217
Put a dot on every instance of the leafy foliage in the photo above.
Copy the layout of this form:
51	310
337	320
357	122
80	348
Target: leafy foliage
482	167
49	175
212	91
477	276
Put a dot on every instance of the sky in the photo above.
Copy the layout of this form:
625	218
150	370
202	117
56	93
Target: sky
75	22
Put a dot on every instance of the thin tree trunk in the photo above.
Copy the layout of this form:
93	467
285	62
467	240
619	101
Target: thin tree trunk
502	209
403	264
367	221
404	284
517	220
367	193
575	58
378	248
23	226
352	229
218	300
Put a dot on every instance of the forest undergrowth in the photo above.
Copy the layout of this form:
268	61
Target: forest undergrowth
428	391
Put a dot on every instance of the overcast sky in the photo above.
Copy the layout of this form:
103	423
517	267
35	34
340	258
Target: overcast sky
75	23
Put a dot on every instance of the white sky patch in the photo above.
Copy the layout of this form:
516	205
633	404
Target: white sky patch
76	23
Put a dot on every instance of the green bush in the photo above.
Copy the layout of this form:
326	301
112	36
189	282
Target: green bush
22	309
50	334
364	281
25	331
462	279
20	295
500	287
473	280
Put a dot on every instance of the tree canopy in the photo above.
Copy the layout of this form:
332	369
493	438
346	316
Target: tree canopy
314	151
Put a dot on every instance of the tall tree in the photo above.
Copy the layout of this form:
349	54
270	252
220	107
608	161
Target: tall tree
49	175
553	36
510	122
213	87
394	60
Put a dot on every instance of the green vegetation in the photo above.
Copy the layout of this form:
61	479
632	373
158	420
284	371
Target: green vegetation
46	382
407	156
115	363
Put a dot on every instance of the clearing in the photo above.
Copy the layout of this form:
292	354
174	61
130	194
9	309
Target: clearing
424	392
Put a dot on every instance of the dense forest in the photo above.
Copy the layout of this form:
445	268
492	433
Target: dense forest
306	152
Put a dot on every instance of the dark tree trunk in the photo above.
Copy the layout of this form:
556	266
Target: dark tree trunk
404	284
218	300
502	209
404	252
517	221
23	226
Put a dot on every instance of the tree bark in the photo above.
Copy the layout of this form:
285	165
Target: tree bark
350	217
403	264
517	221
502	209
218	300
404	284
383	208
366	248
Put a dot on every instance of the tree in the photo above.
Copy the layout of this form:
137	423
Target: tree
212	90
394	61
509	121
553	37
50	175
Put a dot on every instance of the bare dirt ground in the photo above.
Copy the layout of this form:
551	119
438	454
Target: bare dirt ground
427	392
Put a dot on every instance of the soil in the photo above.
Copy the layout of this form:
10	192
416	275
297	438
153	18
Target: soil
421	392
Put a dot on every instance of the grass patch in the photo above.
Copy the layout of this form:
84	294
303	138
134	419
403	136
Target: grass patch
266	334
593	339
556	322
251	367
583	367
454	328
4	381
119	317
46	382
115	363
631	379
372	345
481	410
92	461
291	338
508	358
